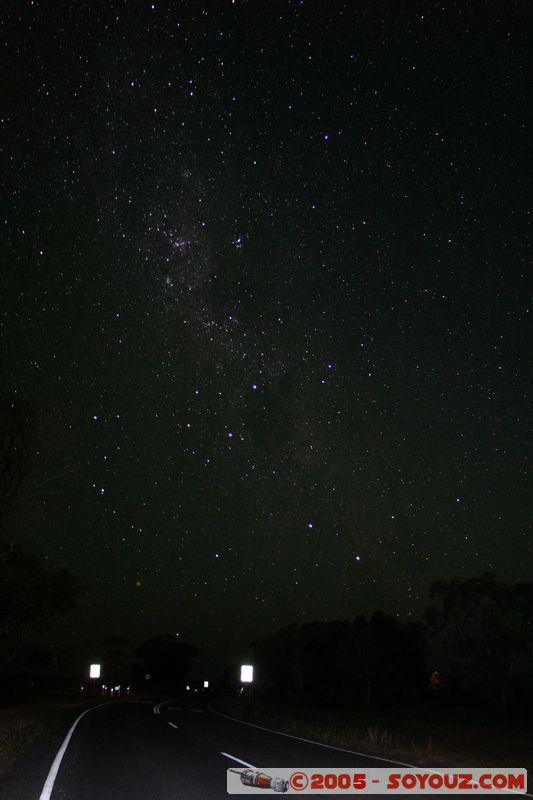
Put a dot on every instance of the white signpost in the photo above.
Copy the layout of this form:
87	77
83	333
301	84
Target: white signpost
247	678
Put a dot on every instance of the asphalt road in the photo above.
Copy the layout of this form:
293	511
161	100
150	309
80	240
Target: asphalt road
125	751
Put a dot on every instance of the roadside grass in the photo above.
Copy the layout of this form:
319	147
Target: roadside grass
21	724
16	734
15	738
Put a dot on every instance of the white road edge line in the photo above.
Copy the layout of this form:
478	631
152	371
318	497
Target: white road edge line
238	760
330	747
174	726
310	741
50	780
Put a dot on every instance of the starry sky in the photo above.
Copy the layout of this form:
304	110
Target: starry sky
264	267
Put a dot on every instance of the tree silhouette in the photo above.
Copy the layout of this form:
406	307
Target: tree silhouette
30	597
114	658
482	630
371	660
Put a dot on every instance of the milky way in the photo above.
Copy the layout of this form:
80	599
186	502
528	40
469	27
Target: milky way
266	264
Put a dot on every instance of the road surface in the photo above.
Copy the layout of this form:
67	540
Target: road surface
145	751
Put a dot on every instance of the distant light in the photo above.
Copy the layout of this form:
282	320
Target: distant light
230	434
358	558
254	386
206	684
309	524
94	671
247	673
188	688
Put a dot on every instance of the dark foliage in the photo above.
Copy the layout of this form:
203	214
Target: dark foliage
364	660
30	597
477	633
482	632
114	658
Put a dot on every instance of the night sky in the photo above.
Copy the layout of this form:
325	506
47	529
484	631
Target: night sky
264	268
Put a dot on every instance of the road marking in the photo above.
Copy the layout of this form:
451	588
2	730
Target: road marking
52	775
310	741
320	744
238	760
174	726
164	703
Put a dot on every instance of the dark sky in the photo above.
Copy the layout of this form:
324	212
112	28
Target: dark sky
264	264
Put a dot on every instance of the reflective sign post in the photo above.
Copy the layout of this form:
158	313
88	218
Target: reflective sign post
247	678
94	675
